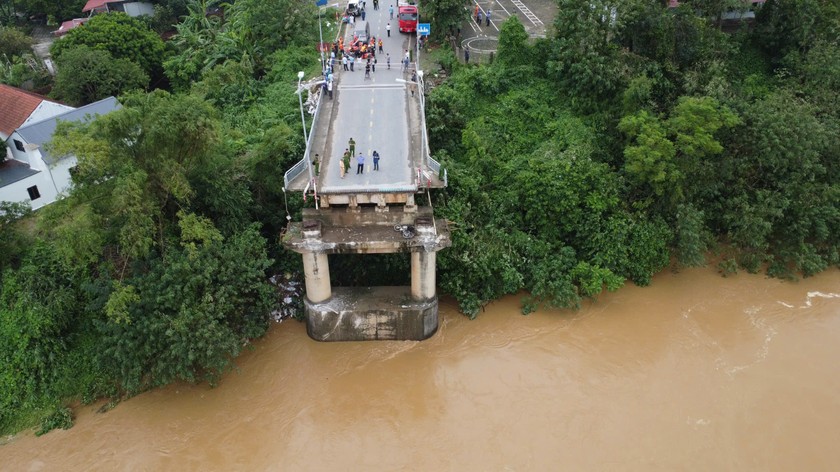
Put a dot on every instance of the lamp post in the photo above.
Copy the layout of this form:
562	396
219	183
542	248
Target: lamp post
321	44
303	125
319	4
300	100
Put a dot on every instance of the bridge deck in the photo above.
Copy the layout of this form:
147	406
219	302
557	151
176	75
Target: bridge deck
382	113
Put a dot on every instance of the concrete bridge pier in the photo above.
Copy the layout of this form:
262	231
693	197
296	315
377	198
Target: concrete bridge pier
423	275
316	265
316	270
423	263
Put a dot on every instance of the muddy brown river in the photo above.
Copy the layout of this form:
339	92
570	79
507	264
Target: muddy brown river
696	372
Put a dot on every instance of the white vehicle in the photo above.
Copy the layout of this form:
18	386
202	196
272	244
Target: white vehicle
353	8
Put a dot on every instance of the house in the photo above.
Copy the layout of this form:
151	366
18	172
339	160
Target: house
129	8
19	107
30	173
69	25
747	13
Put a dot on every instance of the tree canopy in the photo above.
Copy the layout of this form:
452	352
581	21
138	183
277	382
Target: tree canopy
121	36
86	75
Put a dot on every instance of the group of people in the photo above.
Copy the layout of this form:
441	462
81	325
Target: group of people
478	16
350	153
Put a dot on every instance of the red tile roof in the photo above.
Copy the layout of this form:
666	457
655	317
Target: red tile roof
68	25
93	4
15	107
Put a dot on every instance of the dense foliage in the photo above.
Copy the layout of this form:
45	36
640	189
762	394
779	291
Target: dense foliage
661	136
86	75
156	267
121	36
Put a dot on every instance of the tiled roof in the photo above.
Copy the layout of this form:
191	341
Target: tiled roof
15	107
94	4
68	25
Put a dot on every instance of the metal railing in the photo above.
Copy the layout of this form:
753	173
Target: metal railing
300	166
424	139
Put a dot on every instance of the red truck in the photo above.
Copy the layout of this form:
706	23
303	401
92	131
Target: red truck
408	18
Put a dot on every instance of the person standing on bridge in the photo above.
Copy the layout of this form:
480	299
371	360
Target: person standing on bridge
375	160
360	161
388	28
352	147
391	11
487	16
342	167
380	45
344	63
345	160
351	61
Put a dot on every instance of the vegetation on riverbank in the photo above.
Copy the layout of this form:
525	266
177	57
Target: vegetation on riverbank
600	154
576	162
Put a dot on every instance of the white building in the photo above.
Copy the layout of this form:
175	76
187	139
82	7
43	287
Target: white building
29	173
129	8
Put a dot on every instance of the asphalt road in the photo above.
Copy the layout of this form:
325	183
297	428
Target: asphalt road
373	112
537	16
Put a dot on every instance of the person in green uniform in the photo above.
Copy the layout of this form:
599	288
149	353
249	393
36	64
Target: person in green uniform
346	159
352	148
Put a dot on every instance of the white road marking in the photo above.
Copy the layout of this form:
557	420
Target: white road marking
528	13
371	87
484	13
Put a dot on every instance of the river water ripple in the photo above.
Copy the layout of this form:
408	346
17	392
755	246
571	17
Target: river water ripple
695	372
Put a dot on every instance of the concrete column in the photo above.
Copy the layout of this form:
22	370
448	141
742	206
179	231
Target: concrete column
423	279
316	269
410	206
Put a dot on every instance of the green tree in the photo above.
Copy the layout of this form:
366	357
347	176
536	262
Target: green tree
14	42
200	45
782	194
39	305
12	238
54	10
664	154
513	43
86	75
193	313
146	155
446	15
260	27
121	36
787	29
584	58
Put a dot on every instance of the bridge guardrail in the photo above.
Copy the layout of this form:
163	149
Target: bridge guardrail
424	141
300	166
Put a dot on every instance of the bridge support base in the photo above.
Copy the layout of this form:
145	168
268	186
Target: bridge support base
371	313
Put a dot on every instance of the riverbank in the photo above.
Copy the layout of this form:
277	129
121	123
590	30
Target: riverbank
694	372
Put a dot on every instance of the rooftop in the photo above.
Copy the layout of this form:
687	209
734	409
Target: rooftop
12	171
15	107
41	132
94	4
